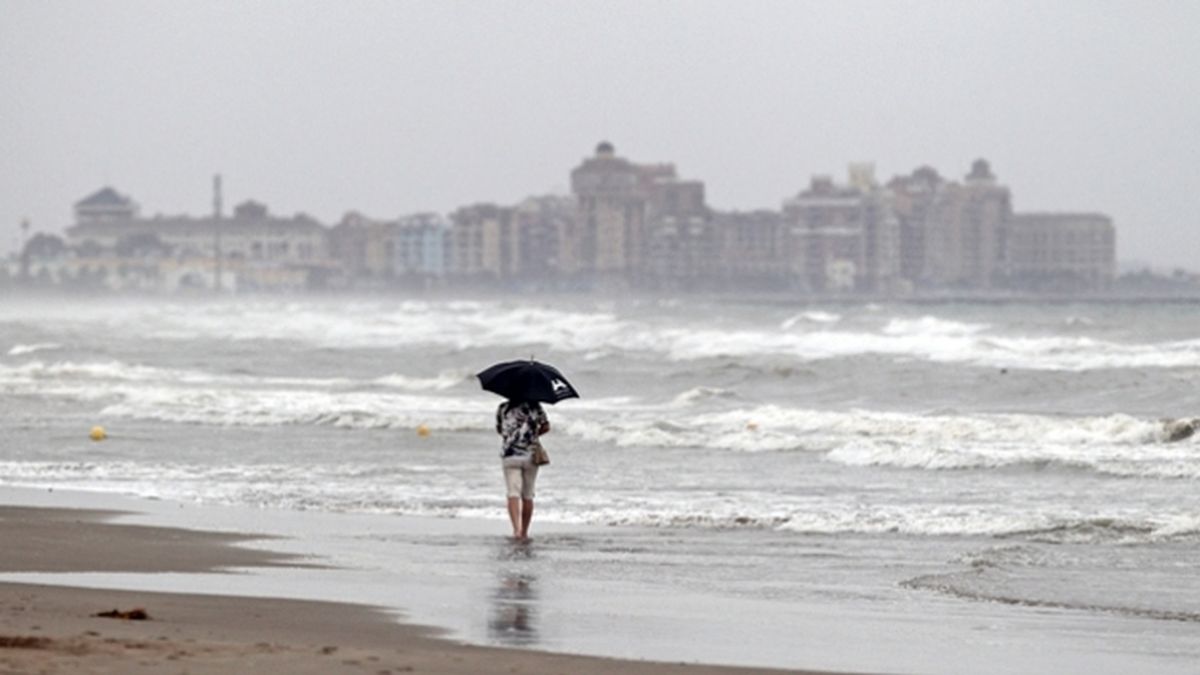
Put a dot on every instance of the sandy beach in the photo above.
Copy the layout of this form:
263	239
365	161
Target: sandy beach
55	629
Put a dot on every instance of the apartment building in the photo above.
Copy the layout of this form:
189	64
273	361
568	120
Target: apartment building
539	226
952	234
1060	252
481	243
237	249
606	238
417	248
754	250
639	223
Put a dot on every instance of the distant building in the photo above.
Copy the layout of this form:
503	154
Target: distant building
539	225
828	226
753	250
882	246
43	261
913	198
987	209
106	204
418	246
625	225
638	224
1061	252
845	237
107	226
410	250
606	238
952	235
482	247
358	244
681	240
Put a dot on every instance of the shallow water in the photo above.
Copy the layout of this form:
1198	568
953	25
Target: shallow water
1001	459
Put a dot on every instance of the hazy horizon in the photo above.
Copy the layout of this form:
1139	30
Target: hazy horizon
391	108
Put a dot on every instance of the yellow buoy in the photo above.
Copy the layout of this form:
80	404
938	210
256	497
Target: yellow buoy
422	430
98	433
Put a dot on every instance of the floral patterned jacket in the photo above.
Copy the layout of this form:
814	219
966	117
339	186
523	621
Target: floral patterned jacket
519	425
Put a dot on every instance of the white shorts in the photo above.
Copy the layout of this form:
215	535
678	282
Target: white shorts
520	475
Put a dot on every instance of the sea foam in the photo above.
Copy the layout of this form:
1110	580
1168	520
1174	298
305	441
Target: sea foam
604	331
21	350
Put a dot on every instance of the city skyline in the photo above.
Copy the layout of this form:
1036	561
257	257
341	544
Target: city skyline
394	108
628	225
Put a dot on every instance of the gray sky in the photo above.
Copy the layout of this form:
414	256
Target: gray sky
395	107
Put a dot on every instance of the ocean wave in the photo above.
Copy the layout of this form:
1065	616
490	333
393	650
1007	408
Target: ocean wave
999	522
21	350
459	324
931	326
360	410
704	418
694	432
605	331
814	316
278	407
452	490
967	587
939	346
1114	530
117	371
443	381
697	395
1116	445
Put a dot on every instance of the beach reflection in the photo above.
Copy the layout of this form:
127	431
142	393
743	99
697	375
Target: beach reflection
514	599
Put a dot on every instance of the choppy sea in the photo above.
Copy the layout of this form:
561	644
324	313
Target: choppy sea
1007	464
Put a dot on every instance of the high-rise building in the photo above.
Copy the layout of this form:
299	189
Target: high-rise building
481	243
913	198
637	224
682	247
539	225
846	238
1060	252
418	248
752	250
952	234
606	237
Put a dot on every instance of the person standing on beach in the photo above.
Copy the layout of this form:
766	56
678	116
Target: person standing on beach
519	424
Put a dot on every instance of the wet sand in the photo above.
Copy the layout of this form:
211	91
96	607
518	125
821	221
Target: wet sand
54	629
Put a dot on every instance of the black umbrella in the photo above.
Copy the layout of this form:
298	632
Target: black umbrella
527	381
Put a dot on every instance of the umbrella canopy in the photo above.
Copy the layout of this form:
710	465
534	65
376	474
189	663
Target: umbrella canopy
527	381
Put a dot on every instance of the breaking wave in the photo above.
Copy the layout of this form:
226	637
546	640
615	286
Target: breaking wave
812	317
116	371
598	333
441	382
706	418
931	326
21	350
431	488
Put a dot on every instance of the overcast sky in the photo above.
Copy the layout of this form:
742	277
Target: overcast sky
395	107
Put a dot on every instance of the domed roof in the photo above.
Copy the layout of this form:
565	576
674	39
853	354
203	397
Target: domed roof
605	149
104	197
980	170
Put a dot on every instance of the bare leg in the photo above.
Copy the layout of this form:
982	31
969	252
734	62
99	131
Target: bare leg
514	514
526	516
